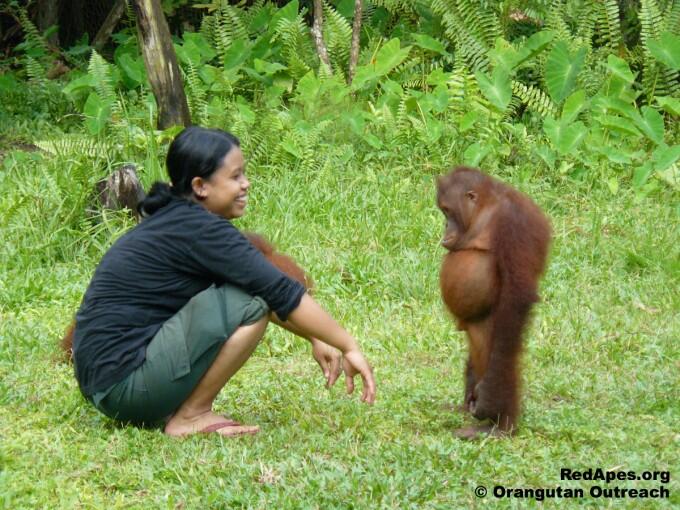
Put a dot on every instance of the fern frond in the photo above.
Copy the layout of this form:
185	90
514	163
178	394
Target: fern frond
593	75
261	147
588	17
100	70
403	123
398	7
534	98
483	24
337	33
255	10
31	33
297	45
473	47
672	17
456	84
36	68
608	24
196	94
69	146
223	27
555	21
651	21
667	82
657	80
410	70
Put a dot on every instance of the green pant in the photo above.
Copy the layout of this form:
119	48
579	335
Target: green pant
179	355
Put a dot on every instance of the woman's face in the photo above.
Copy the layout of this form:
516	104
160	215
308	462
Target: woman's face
225	192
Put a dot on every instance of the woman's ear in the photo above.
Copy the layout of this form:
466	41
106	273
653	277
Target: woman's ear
199	188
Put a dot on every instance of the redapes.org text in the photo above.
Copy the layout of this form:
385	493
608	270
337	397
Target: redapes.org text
596	483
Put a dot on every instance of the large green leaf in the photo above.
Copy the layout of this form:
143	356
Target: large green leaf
390	56
619	124
504	56
619	68
666	50
289	11
573	105
387	58
267	68
561	70
195	49
237	53
308	88
133	68
664	156
642	173
605	105
534	45
429	43
475	153
565	136
97	113
83	83
651	124
670	105
497	89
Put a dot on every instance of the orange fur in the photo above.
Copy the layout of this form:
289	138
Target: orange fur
498	243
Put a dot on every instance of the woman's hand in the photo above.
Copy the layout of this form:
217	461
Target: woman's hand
329	359
354	363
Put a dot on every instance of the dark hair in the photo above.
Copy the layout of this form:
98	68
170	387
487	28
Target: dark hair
195	152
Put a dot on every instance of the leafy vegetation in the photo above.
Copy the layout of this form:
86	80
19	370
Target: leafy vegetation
576	103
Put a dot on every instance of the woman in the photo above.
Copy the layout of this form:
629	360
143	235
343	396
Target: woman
178	304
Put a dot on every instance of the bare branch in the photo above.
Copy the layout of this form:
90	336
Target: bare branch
109	24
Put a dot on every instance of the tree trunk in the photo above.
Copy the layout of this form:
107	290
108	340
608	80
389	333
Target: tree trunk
356	36
317	33
161	64
109	24
47	16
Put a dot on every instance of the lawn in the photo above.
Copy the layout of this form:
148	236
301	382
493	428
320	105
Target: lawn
601	362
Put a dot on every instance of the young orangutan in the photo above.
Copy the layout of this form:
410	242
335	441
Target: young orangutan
282	261
498	242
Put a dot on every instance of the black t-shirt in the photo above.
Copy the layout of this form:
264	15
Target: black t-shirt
150	273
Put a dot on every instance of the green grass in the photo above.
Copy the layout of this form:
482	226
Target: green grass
601	386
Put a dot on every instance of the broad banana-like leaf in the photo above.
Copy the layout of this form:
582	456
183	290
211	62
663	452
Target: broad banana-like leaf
97	112
573	105
387	58
498	91
566	137
664	156
651	124
475	153
669	104
534	45
561	70
429	43
619	68
666	50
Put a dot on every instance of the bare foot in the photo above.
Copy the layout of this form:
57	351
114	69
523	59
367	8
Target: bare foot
205	423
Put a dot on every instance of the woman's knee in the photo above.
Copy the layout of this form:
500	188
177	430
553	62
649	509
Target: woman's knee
261	326
253	332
